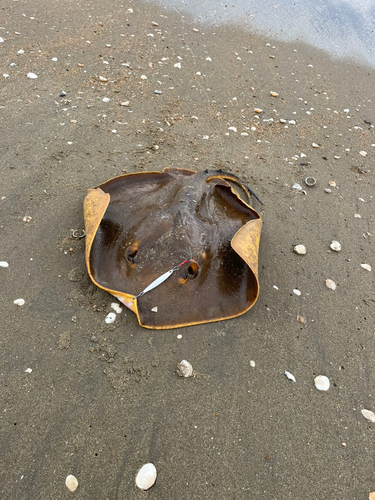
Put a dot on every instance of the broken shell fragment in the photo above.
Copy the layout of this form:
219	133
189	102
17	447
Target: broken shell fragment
184	369
330	284
370	415
146	477
322	382
366	266
19	302
290	376
258	110
332	184
371	496
310	181
274	94
300	249
335	245
71	482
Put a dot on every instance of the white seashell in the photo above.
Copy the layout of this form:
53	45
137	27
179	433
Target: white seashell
28	370
330	284
125	103
290	376
32	76
102	79
154	309
297	292
184	369
232	128
363	153
252	363
258	110
332	184
297	186
4	264
71	482
366	266
177	65
357	216
322	382
371	496
19	302
274	94
328	190
110	318
116	307
146	477
370	415
314	145
335	245
300	249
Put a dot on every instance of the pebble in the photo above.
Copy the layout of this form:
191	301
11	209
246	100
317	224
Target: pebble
71	482
296	292
4	264
335	245
370	415
328	190
322	382
300	249
158	92
366	266
330	284
31	75
116	307
110	318
19	302
184	369
290	376
146	476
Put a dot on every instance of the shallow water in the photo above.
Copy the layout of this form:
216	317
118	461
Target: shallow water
344	28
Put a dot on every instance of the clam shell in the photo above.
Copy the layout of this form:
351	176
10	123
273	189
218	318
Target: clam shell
300	249
366	266
335	245
146	476
71	482
331	284
290	376
184	369
371	496
322	382
370	415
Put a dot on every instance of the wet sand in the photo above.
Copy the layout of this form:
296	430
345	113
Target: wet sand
102	400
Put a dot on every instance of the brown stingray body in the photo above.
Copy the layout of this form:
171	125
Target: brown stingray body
139	226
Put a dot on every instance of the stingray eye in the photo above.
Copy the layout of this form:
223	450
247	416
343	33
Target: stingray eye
131	254
192	271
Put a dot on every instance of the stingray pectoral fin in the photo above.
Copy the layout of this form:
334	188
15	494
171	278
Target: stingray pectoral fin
94	207
178	171
246	243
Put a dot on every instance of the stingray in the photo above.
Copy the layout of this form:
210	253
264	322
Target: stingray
177	247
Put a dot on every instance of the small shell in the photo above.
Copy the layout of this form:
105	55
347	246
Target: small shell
332	184
310	181
322	382
300	249
4	264
366	266
274	94
296	292
363	153
154	309
146	477
297	186
371	496
19	302
116	307
110	318
258	110
330	284
252	363
301	319
103	79
335	245
71	482
290	376
370	415
314	145
184	369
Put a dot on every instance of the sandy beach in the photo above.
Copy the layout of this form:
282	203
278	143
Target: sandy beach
92	91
